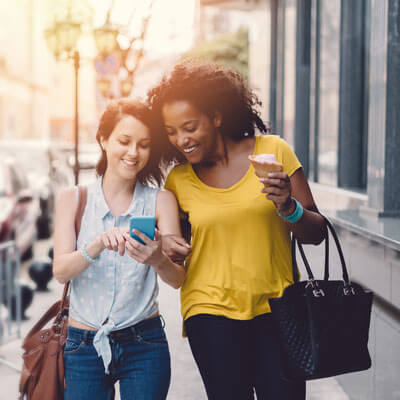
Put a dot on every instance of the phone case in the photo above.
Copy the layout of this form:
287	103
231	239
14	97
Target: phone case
143	224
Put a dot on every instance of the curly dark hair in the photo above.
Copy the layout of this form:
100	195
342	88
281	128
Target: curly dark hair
115	111
211	88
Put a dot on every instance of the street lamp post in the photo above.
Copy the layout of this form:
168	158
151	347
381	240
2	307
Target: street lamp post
76	127
62	39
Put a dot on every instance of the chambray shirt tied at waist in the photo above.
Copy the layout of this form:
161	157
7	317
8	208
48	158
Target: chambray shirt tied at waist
116	289
101	343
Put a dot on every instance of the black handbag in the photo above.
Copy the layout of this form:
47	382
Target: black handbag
323	324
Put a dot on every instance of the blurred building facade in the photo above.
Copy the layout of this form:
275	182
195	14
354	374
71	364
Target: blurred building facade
214	21
24	91
328	73
36	92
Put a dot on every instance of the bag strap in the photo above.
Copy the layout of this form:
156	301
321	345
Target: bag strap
326	273
346	278
307	265
48	316
295	269
80	209
82	199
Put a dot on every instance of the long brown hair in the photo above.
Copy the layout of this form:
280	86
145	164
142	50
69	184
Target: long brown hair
116	110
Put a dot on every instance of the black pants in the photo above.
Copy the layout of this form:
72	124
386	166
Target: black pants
236	358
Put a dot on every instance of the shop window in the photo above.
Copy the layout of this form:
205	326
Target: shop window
289	71
329	57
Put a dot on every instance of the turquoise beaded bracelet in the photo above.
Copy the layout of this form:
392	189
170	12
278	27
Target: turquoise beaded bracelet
85	254
296	215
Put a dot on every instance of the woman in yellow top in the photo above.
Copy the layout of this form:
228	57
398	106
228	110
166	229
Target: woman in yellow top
240	243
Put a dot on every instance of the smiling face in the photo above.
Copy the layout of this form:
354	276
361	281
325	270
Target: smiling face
191	131
127	148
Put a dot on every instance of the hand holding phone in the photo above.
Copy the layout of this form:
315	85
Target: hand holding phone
143	224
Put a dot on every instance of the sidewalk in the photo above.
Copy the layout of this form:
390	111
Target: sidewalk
185	382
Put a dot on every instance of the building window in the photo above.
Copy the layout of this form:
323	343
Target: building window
314	88
365	94
289	71
329	56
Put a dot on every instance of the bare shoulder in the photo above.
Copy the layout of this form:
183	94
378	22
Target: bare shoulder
167	213
167	206
165	196
66	199
67	194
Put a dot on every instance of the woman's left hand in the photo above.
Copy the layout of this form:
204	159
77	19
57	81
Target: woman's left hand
279	190
150	253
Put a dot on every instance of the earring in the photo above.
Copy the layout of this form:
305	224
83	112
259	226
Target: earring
217	120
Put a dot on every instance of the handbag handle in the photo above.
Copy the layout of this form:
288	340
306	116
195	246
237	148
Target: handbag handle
346	278
48	316
307	265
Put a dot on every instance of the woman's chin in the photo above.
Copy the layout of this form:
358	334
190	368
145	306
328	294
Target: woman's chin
128	173
193	158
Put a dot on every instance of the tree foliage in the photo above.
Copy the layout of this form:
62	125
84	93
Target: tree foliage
230	50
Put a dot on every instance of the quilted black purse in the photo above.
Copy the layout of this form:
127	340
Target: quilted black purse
323	324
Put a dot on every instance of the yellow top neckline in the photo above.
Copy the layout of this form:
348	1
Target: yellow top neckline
235	185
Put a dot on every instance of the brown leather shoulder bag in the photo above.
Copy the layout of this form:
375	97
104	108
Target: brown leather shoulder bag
42	376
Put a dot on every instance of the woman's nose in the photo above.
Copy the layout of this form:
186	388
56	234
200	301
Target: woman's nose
132	151
182	140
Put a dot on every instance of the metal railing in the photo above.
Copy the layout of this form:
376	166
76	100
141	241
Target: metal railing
10	296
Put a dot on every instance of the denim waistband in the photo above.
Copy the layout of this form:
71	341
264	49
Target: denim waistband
133	330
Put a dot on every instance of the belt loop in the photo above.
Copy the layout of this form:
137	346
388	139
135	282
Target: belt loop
86	337
133	330
162	321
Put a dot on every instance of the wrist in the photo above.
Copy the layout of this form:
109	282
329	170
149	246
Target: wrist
296	215
159	264
91	258
288	208
98	244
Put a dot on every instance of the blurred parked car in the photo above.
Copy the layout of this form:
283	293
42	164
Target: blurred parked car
47	174
19	207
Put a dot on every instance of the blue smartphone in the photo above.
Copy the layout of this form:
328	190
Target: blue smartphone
146	225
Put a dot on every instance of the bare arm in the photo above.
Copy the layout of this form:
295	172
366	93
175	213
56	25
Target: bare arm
151	253
167	215
311	228
68	262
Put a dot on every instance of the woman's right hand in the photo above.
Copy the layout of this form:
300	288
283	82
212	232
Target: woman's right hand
175	247
114	239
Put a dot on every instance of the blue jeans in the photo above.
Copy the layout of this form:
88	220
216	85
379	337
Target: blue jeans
140	362
237	358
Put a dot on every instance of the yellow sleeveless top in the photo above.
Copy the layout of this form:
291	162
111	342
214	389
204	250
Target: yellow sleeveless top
240	246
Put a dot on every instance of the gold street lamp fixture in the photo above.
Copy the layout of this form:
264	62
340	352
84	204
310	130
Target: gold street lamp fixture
62	39
104	86
126	87
106	39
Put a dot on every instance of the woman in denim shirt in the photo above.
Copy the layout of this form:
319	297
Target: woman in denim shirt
115	332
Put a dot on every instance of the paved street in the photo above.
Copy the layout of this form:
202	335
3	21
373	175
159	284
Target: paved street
186	383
